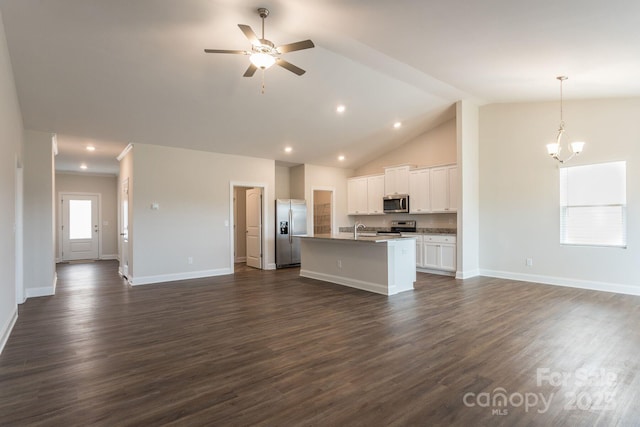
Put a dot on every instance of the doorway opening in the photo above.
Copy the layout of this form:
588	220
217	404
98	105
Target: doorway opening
79	226
248	226
323	211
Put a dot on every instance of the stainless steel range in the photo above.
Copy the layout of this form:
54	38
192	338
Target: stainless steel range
399	227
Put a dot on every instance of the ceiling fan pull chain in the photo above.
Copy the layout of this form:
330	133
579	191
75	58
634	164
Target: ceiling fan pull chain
262	90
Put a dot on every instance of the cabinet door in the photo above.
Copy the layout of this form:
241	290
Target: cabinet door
357	196
419	252
419	200
448	257
431	255
452	175
439	189
396	180
375	193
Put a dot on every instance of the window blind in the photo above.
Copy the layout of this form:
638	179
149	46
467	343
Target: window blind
593	205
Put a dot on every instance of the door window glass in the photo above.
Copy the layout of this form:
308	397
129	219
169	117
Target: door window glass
79	219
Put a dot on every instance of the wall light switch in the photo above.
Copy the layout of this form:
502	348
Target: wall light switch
155	206
226	223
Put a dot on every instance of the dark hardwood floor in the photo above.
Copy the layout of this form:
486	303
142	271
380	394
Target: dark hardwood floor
270	348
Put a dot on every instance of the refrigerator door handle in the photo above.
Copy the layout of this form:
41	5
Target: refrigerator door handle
290	226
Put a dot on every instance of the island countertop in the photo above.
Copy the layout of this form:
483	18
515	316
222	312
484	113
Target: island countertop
363	237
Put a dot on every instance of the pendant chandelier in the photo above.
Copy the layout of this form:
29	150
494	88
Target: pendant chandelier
555	149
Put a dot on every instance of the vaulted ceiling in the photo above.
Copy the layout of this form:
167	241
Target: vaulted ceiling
108	73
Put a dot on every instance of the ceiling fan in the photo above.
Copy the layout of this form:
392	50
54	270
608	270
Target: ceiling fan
264	53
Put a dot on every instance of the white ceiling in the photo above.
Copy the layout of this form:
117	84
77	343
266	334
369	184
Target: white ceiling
114	72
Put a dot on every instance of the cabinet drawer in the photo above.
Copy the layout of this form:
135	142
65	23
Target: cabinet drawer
439	239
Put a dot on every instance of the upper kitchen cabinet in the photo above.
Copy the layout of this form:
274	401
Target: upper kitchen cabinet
419	191
396	180
357	194
375	193
444	189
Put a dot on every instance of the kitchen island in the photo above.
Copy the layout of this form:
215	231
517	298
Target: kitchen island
381	264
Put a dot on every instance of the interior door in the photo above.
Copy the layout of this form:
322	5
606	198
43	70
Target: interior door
124	229
254	227
80	232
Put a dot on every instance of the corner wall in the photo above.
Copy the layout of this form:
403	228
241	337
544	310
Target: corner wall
519	192
11	141
39	238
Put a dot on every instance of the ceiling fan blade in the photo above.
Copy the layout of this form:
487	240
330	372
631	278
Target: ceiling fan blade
250	34
238	52
250	71
305	44
289	66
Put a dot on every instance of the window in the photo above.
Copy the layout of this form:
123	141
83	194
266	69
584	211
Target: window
593	205
79	219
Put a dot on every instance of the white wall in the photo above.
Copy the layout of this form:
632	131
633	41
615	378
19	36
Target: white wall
11	136
519	206
106	186
468	216
325	178
39	240
194	220
432	148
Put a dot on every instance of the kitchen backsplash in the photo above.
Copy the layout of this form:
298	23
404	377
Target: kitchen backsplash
442	220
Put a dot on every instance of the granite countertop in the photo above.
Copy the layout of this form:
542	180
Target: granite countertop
363	236
419	230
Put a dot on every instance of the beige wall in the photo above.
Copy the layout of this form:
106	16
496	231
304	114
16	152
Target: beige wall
11	135
328	178
296	182
194	217
519	195
432	148
106	186
282	182
39	241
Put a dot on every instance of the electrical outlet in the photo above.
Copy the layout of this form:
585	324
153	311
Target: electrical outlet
529	262
190	260
339	263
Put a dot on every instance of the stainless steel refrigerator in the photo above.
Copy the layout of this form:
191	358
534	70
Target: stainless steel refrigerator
291	220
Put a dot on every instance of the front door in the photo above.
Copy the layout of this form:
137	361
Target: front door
80	232
254	227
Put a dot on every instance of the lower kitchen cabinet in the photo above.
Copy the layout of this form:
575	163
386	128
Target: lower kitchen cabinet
439	252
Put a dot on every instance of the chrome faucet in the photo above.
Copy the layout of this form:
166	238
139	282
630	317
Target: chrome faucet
356	227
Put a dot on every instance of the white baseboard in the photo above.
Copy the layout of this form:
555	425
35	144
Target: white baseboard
160	278
467	274
562	281
352	283
7	328
240	259
271	266
109	256
45	291
440	272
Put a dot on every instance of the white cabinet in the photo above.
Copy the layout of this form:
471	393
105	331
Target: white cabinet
419	252
375	193
439	252
357	196
419	191
444	189
396	180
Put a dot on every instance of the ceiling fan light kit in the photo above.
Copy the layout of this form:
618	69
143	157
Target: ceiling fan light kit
264	53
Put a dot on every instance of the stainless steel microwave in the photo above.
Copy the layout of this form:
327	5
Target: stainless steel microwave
397	203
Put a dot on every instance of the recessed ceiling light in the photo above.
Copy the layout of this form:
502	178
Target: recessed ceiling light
288	149
91	148
396	125
341	158
341	108
83	166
